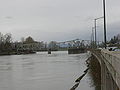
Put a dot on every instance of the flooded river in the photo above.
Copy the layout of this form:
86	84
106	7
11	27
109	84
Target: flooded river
41	71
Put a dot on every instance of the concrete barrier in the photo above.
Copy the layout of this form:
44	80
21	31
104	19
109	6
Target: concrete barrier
112	62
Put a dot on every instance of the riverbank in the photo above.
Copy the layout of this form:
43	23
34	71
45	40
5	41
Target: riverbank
17	53
95	72
85	72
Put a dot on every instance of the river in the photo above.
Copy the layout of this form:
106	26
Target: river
41	71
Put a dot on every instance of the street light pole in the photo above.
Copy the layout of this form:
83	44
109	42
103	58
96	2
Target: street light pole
95	34
92	37
95	21
104	11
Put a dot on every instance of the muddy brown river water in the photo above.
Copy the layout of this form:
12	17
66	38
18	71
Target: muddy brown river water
41	71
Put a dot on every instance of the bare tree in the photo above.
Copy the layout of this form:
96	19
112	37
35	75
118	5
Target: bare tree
5	42
8	38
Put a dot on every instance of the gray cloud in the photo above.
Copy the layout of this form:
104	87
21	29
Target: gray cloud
56	19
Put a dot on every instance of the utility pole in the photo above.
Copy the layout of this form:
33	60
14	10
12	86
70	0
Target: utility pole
104	11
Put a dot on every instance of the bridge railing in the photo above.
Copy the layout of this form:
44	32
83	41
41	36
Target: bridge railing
112	61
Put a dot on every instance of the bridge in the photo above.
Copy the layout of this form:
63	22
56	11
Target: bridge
110	68
77	43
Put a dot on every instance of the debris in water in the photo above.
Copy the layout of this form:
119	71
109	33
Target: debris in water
86	70
80	78
75	86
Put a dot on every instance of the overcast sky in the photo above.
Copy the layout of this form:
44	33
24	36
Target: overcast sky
59	20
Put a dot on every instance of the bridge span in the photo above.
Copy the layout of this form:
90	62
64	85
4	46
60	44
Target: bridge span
110	68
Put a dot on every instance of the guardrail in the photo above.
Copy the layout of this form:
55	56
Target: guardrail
112	61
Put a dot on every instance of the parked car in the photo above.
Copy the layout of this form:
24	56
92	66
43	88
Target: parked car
111	48
116	49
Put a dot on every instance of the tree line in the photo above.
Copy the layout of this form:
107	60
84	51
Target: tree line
6	43
115	41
